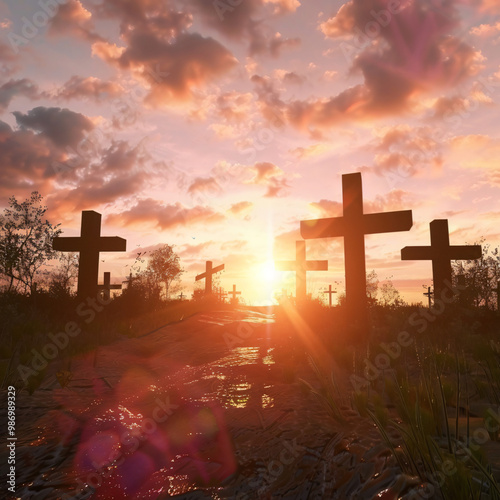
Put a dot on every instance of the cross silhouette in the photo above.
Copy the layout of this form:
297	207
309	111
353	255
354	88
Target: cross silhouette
234	293
353	226
330	292
300	265
209	271
107	286
221	294
181	296
441	253
89	245
129	281
428	294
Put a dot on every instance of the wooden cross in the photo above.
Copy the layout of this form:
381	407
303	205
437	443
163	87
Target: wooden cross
89	245
300	265
441	254
221	294
209	271
129	281
428	294
107	286
234	293
181	296
330	292
353	226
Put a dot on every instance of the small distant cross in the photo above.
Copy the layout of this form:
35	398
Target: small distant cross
129	281
181	296
89	245
300	265
330	292
209	271
221	294
234	293
429	294
107	286
441	253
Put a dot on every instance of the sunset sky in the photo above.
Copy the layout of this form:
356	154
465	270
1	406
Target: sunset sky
217	126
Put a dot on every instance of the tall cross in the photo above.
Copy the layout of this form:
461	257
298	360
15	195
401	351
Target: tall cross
181	296
428	294
300	265
107	286
330	292
234	293
89	244
209	271
441	254
353	226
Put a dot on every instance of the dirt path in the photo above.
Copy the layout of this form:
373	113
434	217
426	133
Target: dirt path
198	409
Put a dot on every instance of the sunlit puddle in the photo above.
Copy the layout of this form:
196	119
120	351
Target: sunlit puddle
227	382
241	356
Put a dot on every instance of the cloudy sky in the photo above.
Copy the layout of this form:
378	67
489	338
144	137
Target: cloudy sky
217	126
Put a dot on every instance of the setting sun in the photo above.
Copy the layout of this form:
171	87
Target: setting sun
266	272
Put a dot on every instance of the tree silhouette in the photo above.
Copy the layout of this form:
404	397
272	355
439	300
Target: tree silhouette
164	267
25	242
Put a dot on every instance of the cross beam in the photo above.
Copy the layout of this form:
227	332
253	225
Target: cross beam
353	226
330	292
107	286
234	293
441	253
89	245
300	265
209	271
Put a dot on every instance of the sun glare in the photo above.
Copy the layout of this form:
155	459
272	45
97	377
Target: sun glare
266	272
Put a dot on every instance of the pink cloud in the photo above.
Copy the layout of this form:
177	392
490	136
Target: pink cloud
404	55
79	87
154	213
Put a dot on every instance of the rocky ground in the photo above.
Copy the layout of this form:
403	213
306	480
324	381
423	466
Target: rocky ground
197	409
